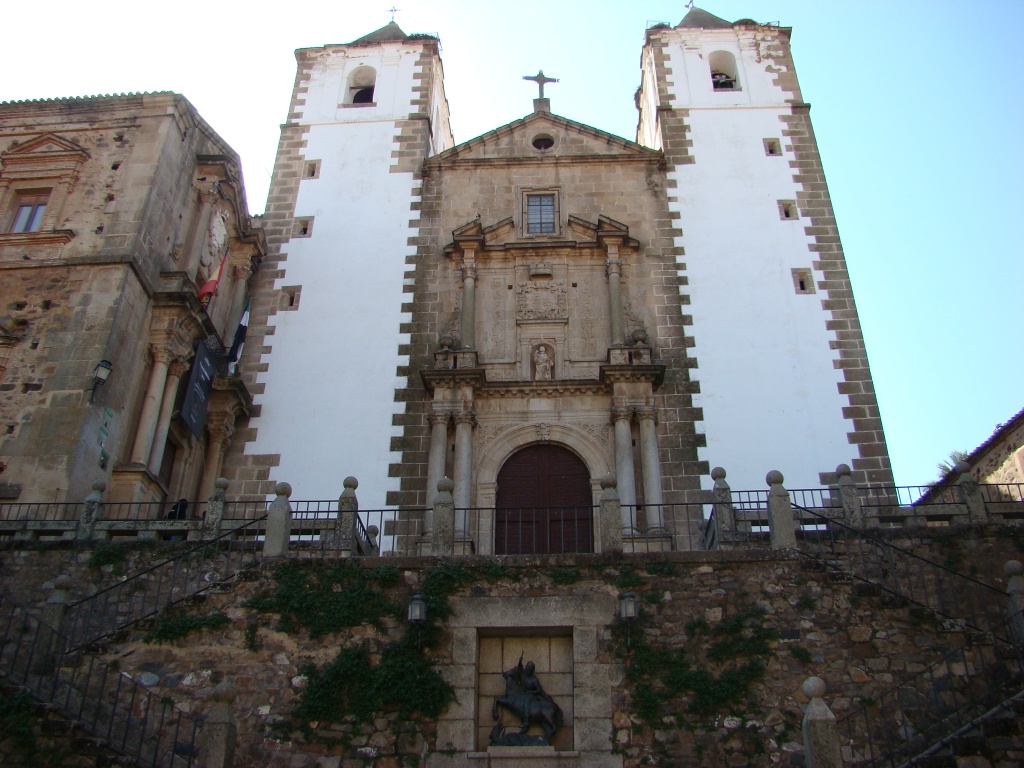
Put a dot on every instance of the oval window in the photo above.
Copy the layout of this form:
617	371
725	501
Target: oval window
543	142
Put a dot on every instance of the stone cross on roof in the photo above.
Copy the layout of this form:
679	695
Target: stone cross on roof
540	79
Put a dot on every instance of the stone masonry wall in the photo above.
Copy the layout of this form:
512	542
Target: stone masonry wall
817	627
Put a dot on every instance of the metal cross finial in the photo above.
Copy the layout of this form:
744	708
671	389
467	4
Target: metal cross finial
540	79
392	10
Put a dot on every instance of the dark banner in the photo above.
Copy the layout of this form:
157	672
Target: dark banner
197	397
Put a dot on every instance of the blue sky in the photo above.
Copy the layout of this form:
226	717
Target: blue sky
917	107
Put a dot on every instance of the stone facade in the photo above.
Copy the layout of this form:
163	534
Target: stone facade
143	208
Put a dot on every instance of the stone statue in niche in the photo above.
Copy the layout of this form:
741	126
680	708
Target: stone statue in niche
526	698
543	365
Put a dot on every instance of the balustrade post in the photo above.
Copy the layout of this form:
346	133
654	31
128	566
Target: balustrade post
970	493
1014	571
279	523
55	612
780	513
348	506
220	732
444	519
91	509
853	511
721	495
611	516
210	528
821	737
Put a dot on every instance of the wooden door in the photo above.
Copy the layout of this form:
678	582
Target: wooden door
544	503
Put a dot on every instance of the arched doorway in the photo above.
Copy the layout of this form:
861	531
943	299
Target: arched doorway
543	503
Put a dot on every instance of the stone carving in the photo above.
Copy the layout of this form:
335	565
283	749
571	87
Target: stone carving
543	432
588	318
543	365
541	300
527	700
637	329
599	432
490	432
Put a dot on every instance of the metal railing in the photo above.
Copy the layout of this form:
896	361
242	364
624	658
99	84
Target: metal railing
93	693
964	602
923	712
41	511
200	568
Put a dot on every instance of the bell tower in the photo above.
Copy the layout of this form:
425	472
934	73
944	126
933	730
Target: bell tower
770	316
328	334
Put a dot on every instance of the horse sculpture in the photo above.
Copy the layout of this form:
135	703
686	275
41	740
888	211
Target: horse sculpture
526	699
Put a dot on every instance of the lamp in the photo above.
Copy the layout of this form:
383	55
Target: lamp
99	375
629	611
417	610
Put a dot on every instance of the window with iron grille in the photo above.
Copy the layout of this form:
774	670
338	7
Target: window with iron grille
541	213
29	208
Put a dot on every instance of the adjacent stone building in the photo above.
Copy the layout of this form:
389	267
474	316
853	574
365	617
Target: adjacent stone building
547	303
125	246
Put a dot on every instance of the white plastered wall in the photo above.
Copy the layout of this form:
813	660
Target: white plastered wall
330	385
768	383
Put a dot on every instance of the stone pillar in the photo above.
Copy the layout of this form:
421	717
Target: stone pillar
175	371
151	405
55	612
780	513
971	493
821	738
725	517
611	516
91	509
348	507
219	427
650	467
853	512
1015	589
241	273
279	523
215	510
618	316
467	321
207	200
444	519
220	732
435	462
624	473
464	421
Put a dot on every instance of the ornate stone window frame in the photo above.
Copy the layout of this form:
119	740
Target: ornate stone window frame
525	193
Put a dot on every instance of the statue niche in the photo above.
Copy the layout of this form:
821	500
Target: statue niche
527	700
543	364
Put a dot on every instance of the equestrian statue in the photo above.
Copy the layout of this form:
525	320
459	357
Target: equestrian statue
527	699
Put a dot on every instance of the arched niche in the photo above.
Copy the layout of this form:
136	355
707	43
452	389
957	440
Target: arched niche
723	71
361	84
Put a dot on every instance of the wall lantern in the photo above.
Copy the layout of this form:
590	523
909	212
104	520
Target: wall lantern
629	611
417	610
99	375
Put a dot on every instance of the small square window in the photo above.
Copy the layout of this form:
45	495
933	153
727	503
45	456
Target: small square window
302	227
541	213
788	210
803	281
29	208
772	147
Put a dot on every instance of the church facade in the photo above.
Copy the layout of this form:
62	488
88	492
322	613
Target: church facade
548	304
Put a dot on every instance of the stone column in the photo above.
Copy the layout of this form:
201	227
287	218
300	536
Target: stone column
207	200
91	511
821	738
348	508
464	421
1015	589
614	268
611	516
279	523
242	273
219	427
435	462
725	517
210	528
853	512
780	513
54	615
467	322
650	467
971	493
621	418
175	371
444	519
162	357
220	731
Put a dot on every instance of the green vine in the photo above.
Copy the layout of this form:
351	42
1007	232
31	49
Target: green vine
18	720
714	671
176	624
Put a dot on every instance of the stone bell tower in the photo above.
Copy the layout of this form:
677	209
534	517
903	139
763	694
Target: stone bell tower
327	343
781	368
